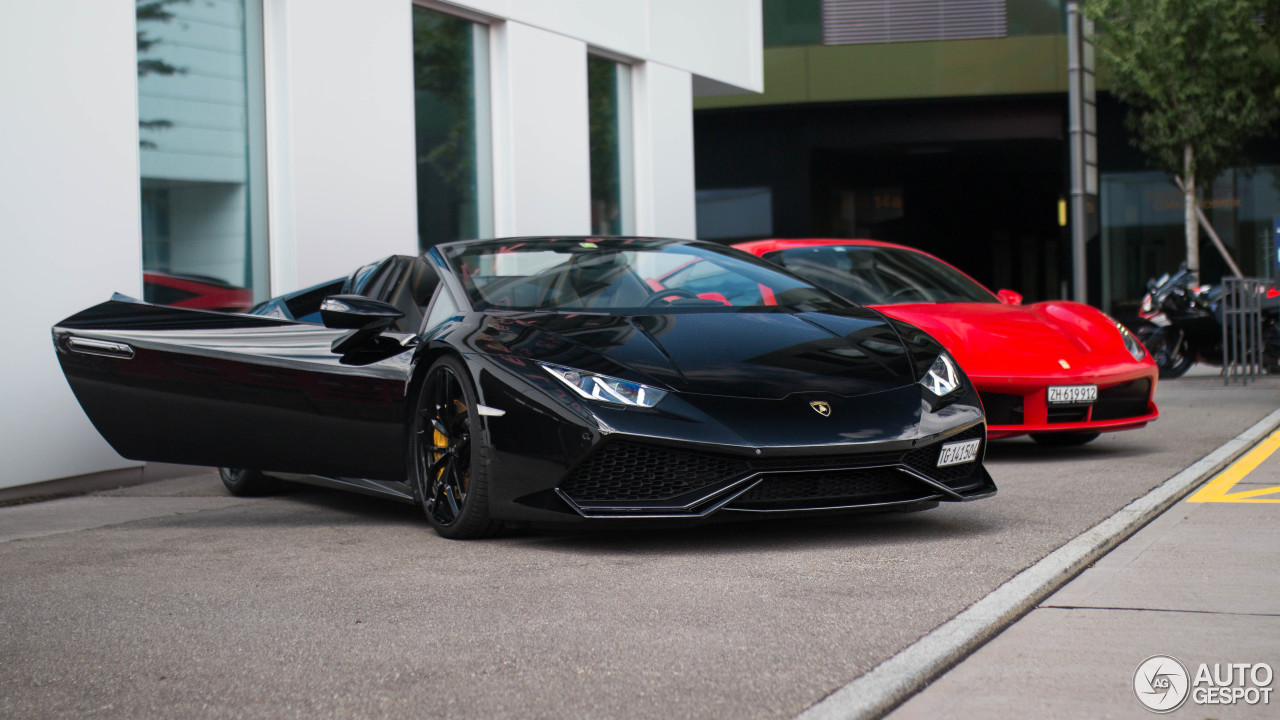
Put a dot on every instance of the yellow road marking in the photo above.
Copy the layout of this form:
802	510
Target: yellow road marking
1219	488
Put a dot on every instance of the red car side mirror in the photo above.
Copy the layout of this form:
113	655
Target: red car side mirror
1009	297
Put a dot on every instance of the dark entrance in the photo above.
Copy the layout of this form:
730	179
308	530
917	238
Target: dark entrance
989	207
976	182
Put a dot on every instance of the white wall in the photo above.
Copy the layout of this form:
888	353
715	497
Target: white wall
347	92
663	109
716	39
340	156
69	215
542	166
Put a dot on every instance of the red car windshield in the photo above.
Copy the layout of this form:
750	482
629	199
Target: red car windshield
877	275
625	276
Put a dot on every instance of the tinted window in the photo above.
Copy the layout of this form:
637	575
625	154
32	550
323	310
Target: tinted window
305	306
873	275
640	276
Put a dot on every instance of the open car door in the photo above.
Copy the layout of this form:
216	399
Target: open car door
186	386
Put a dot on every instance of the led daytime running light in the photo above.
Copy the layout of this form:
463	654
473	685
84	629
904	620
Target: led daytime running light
942	378
603	388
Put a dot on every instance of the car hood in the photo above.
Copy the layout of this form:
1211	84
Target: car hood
741	354
983	337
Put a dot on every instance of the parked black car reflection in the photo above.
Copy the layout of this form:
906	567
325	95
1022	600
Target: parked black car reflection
544	379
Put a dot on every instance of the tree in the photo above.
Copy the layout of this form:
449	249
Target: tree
1201	78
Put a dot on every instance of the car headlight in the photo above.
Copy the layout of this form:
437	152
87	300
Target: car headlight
594	386
1131	343
942	378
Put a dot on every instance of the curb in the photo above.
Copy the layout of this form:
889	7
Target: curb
893	681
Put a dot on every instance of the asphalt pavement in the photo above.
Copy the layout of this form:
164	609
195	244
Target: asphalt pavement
171	599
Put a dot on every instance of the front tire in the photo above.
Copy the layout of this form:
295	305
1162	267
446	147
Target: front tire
1171	353
449	458
247	483
1065	439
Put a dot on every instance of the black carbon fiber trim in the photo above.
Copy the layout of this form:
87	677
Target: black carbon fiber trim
1002	409
832	488
1122	401
630	472
627	473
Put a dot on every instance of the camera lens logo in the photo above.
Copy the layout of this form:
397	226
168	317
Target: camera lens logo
1161	683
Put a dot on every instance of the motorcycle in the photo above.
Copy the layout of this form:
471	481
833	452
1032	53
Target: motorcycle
1183	324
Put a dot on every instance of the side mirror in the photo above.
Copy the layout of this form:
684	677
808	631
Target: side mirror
364	317
1009	297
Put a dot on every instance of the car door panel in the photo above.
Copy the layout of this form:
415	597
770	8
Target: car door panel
186	386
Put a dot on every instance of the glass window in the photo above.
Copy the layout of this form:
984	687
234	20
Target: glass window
609	119
201	148
627	276
792	22
442	310
1143	235
873	275
451	105
735	213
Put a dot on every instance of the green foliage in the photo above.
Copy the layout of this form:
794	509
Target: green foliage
1203	74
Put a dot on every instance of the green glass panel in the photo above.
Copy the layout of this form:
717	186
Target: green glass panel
1036	17
792	22
603	117
449	75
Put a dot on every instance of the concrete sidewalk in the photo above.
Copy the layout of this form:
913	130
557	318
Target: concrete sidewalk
1201	584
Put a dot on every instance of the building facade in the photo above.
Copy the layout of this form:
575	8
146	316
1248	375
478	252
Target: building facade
265	145
942	124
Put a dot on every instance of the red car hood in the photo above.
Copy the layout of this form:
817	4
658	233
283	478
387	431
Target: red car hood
987	338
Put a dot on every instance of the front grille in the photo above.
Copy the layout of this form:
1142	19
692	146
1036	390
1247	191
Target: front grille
649	475
629	472
830	461
1122	401
1002	409
831	488
1068	414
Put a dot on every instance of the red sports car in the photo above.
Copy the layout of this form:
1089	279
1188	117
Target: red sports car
1060	371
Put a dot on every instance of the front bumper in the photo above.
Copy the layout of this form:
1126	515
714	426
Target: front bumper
625	478
1020	407
554	458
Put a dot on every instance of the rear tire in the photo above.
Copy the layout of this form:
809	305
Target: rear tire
1065	439
247	483
449	458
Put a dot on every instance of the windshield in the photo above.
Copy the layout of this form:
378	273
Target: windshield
877	275
625	276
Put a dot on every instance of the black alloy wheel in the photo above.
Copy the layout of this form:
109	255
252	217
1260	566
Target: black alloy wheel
247	483
449	455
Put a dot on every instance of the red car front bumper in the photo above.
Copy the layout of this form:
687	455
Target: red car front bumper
1019	405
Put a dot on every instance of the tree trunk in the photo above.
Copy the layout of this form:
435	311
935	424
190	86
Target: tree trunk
1189	208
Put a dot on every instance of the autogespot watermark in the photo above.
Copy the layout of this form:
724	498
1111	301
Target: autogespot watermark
1162	684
